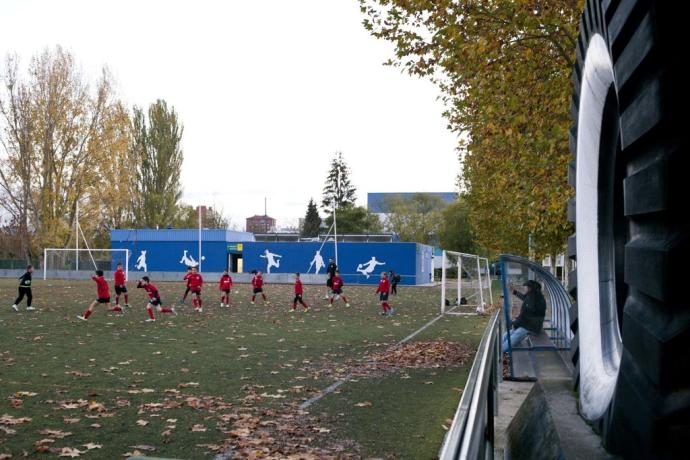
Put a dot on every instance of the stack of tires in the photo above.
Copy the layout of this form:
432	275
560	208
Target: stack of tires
632	217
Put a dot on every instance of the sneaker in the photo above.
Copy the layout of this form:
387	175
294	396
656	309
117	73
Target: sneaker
253	303
391	312
383	313
200	310
81	318
306	310
222	305
182	301
127	305
29	308
292	310
347	304
150	320
174	312
14	307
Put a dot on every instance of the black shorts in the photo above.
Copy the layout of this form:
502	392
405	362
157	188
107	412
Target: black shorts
383	297
120	290
298	298
337	291
103	300
225	291
155	302
196	291
329	282
257	290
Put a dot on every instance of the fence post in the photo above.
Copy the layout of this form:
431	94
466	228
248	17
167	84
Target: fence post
443	282
506	312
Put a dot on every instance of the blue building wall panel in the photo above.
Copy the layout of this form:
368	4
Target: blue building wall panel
170	256
359	263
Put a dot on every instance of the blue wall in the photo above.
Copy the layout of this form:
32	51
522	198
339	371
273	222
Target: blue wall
353	259
164	251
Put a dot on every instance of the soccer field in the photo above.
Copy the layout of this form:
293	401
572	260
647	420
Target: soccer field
229	381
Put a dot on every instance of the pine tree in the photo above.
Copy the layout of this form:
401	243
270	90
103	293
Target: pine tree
312	221
338	187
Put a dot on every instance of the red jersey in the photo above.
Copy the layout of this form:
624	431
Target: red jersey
195	281
225	283
337	282
102	287
258	282
151	290
119	277
186	278
298	287
384	286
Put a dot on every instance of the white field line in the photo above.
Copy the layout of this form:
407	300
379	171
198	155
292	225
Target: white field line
331	388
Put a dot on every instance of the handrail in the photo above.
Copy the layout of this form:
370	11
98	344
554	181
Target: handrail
471	435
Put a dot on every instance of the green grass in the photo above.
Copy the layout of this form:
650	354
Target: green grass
247	359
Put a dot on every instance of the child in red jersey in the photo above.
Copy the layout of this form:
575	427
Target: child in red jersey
120	286
258	285
154	299
102	296
195	283
299	292
383	291
225	284
337	287
186	278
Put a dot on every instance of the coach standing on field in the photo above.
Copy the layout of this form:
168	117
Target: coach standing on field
330	270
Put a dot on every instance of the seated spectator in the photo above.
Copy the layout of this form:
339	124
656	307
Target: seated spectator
531	317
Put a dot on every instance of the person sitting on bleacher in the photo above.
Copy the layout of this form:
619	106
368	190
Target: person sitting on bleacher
531	317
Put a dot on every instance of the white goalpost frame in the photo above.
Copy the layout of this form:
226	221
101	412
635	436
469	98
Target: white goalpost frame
480	280
77	251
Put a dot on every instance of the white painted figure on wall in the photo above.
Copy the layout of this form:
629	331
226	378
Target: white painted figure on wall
189	261
317	262
368	268
272	260
141	262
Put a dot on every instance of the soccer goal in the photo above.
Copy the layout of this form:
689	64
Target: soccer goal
465	283
64	262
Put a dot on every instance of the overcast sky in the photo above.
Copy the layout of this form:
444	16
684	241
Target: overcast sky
267	92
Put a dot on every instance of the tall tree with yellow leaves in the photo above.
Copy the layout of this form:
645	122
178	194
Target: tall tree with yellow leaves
503	68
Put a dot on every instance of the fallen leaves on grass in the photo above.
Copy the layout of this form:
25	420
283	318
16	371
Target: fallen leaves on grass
363	404
70	452
142	422
56	434
7	419
92	446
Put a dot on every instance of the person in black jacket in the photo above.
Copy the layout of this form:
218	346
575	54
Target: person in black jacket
330	271
395	279
25	289
531	317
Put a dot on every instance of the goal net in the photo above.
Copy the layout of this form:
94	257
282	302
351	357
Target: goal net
72	263
465	283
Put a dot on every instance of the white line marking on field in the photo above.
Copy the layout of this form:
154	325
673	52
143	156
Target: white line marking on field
331	388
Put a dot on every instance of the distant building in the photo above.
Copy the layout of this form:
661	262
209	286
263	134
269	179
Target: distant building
378	203
261	224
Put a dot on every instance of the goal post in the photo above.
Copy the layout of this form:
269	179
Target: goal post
57	260
465	283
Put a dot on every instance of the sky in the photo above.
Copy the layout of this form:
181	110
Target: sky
267	92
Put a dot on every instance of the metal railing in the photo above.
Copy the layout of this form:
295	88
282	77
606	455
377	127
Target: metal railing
471	435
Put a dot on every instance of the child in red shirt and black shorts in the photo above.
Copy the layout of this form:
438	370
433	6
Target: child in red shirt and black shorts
225	285
102	296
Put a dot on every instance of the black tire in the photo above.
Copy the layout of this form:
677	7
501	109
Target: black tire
641	317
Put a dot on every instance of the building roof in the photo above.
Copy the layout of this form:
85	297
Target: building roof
180	234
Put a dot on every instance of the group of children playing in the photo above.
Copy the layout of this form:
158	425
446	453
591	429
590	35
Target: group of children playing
194	284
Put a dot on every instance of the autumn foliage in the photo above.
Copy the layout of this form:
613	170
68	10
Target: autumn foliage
503	69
